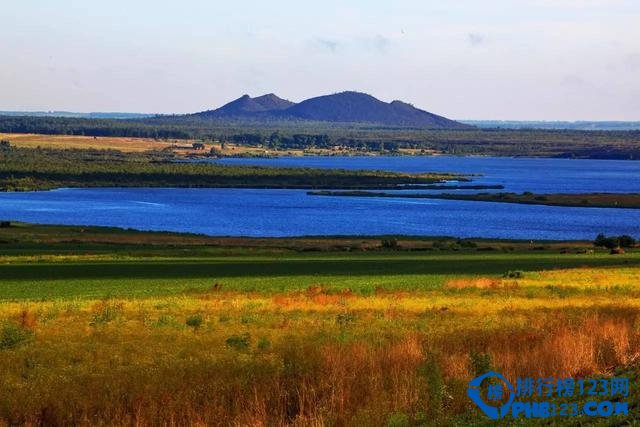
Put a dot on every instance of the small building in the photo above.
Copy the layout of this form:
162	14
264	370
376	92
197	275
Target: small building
197	146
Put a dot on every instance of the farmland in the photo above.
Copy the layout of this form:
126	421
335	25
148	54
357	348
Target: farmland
104	326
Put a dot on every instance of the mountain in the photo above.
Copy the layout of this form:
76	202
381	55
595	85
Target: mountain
245	106
361	107
344	107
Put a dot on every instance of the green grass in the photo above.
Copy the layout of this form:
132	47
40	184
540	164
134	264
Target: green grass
49	262
163	311
162	274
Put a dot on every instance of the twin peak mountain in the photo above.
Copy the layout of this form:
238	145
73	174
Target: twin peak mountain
344	107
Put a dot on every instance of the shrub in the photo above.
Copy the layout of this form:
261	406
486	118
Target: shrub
613	242
12	335
390	244
516	274
264	343
195	321
466	243
239	342
626	241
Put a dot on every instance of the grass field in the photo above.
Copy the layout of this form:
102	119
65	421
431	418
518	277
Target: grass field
179	147
126	145
105	326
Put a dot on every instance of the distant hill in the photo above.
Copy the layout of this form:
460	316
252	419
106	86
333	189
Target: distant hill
344	107
245	106
360	107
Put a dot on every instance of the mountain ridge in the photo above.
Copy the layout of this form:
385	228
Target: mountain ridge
341	107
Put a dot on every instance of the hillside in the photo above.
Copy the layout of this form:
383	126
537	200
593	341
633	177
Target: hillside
344	107
245	106
359	107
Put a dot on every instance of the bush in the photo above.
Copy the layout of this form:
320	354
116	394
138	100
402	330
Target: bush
239	342
195	321
390	244
466	243
264	343
626	241
12	335
614	242
516	274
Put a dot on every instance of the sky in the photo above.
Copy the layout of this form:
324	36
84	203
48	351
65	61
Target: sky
464	59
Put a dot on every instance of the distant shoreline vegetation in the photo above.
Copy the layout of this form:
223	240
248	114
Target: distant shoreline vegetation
44	169
602	125
357	137
587	200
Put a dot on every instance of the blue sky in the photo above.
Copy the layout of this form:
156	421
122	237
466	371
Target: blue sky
466	59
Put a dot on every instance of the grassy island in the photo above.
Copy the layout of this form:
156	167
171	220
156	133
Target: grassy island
583	200
24	169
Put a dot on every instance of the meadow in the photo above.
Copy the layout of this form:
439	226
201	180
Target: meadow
97	329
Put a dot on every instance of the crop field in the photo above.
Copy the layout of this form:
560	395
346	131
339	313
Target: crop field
185	329
126	145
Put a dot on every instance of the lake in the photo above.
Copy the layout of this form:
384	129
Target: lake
255	212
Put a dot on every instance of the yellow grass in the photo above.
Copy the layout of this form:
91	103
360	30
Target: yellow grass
72	141
303	358
131	145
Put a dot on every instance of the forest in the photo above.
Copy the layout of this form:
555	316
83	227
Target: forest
363	137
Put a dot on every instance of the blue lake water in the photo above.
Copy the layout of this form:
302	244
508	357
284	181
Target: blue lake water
248	212
516	174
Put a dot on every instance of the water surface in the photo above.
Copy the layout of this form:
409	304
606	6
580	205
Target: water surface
248	212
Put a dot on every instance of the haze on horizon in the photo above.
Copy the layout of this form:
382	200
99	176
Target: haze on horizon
498	59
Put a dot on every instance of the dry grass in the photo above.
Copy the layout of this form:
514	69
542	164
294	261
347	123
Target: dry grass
76	141
475	283
300	358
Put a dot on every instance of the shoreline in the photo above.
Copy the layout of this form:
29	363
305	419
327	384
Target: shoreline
77	233
578	200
